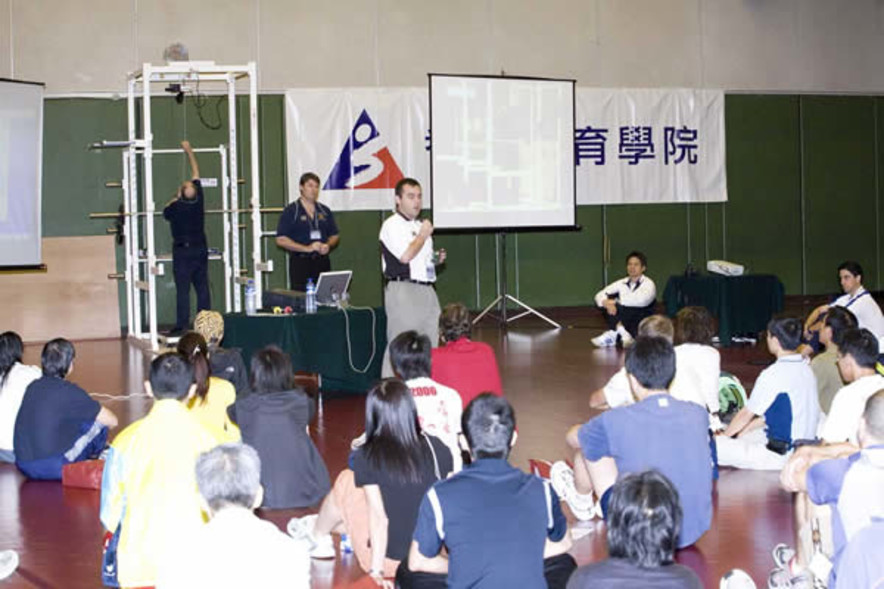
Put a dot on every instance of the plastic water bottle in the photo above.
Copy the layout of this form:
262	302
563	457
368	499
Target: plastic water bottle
311	296
251	298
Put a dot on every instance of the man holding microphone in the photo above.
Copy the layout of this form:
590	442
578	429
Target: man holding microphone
308	232
409	266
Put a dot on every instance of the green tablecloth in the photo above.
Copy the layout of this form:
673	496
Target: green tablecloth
741	304
317	343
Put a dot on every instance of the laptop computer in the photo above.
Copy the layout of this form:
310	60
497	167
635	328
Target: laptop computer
331	287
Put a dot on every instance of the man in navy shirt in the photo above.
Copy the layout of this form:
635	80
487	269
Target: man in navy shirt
500	526
308	232
190	253
58	422
656	432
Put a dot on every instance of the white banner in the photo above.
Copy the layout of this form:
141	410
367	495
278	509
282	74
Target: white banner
631	146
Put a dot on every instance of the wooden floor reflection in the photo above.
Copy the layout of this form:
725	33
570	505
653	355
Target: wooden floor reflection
547	375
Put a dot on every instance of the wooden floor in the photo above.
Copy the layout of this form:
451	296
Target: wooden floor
547	375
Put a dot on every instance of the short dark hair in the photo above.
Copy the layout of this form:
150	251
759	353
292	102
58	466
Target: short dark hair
694	325
11	350
637	254
839	320
405	182
57	357
193	346
306	177
171	376
411	355
787	331
874	415
271	370
861	345
229	475
454	322
644	520
488	424
651	360
852	267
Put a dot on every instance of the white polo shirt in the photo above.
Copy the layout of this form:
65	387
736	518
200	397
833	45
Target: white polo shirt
790	375
868	313
848	406
439	409
11	395
397	233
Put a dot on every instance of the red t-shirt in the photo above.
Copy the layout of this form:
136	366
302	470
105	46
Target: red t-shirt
468	367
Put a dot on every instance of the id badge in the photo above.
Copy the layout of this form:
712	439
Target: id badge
315	235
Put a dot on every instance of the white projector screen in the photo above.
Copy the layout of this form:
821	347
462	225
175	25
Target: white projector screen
21	155
502	153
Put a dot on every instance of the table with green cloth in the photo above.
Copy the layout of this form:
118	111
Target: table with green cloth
741	304
318	343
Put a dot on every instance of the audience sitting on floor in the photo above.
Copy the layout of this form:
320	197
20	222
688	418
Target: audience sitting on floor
697	363
468	367
376	501
825	364
213	395
498	526
149	497
850	482
674	440
438	407
625	302
275	420
58	422
858	356
783	408
14	380
643	526
235	549
226	363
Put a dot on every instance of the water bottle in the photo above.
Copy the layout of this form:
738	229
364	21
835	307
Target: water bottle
251	298
311	296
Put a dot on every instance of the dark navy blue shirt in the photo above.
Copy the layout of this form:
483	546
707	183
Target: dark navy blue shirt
52	415
187	218
495	520
298	226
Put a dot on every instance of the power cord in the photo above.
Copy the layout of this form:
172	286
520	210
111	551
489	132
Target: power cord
374	344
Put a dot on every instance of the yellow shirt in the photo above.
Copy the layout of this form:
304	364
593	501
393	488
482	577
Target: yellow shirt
212	411
149	488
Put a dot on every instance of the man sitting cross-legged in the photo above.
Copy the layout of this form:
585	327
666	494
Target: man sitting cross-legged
673	439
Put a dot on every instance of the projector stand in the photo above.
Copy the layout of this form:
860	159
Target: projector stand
503	297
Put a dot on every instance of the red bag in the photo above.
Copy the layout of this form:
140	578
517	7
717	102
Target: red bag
83	475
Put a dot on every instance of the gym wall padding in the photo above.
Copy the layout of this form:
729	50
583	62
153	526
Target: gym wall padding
796	165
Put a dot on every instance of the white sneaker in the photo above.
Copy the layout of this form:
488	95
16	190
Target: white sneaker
301	529
583	506
606	340
737	579
625	338
8	563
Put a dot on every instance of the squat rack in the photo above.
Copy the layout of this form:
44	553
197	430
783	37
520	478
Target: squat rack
139	205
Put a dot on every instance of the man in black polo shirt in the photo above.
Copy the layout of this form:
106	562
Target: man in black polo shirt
190	254
308	232
501	527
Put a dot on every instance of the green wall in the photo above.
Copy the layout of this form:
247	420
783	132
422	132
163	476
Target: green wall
802	182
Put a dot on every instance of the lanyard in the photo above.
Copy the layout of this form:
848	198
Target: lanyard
854	299
313	222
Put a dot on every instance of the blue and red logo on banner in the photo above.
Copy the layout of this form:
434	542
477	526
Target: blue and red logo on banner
361	167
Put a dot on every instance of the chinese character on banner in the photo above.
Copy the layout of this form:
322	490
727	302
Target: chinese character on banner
589	144
636	144
427	140
679	144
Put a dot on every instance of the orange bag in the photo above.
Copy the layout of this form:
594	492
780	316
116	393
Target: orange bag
83	475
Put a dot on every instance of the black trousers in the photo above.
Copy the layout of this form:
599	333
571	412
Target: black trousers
630	317
301	268
190	264
556	569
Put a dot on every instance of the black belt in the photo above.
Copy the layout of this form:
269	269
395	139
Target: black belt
779	447
190	244
401	279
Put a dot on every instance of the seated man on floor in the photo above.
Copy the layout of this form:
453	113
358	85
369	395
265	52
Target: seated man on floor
499	526
149	498
235	549
625	302
782	409
673	439
825	365
643	524
850	483
58	422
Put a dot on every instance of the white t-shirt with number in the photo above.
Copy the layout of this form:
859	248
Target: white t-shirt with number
439	409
